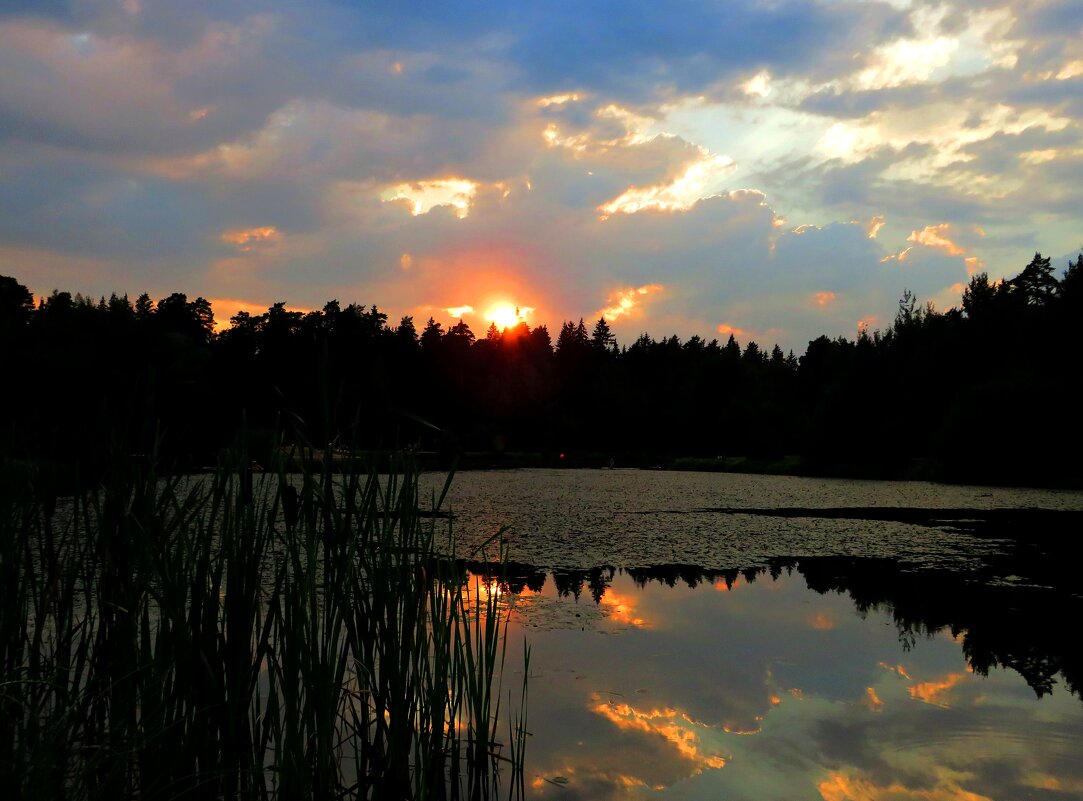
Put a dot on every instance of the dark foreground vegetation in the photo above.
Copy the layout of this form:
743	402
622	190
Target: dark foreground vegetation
986	393
236	636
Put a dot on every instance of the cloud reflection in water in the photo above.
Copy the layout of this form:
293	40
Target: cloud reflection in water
736	695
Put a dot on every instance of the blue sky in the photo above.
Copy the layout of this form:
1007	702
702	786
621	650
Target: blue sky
774	169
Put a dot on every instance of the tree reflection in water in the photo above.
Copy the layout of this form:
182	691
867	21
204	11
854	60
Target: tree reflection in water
762	682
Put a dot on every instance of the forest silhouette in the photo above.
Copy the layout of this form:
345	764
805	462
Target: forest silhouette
987	392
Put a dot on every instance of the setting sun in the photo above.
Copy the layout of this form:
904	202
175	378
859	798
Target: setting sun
506	315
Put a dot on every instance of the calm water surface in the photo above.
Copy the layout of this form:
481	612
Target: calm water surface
680	651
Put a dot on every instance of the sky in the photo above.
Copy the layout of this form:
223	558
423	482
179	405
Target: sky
773	169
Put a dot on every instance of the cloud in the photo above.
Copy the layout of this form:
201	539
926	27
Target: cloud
693	185
842	786
937	692
626	302
423	196
249	238
464	154
936	236
675	727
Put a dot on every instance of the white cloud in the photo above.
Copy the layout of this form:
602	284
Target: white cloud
423	196
700	180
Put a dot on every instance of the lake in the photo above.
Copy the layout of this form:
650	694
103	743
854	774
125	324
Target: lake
701	635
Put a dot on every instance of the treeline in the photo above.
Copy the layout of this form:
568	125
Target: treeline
985	392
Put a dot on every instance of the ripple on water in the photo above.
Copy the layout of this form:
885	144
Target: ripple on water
574	519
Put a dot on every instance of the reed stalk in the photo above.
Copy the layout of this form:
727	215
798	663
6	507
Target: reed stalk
241	636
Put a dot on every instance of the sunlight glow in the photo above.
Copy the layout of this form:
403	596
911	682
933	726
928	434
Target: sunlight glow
507	315
423	196
224	308
622	608
906	61
459	311
759	85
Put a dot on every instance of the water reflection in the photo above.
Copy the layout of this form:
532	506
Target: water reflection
824	678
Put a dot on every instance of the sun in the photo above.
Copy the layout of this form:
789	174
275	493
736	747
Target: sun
506	315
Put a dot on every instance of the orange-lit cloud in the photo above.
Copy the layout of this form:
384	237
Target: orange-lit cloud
559	100
1072	69
867	322
249	238
635	130
459	311
899	669
824	298
874	225
936	236
625	302
622	608
936	692
900	256
872	700
841	786
1044	781
728	330
676	727
423	196
821	621
406	261
697	182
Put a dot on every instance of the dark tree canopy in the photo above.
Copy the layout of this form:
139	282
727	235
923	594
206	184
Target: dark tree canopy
981	393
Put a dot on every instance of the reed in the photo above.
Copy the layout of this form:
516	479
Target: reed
292	636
